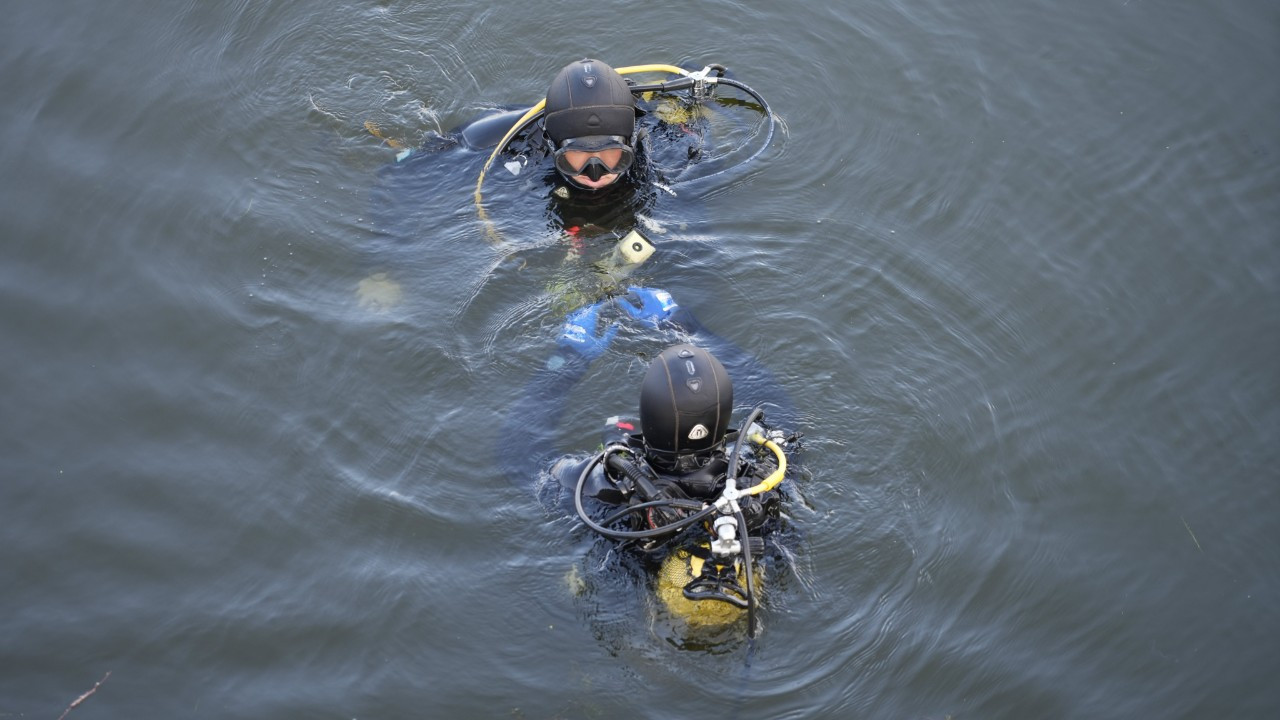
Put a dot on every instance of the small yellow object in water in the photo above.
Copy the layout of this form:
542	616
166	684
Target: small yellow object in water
679	113
378	292
575	582
376	131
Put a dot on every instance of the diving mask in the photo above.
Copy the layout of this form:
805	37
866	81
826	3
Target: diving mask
594	156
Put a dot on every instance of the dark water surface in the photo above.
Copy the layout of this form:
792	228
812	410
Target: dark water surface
1017	263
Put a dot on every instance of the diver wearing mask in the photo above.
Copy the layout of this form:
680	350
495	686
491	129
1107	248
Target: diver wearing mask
606	154
615	144
609	166
587	125
590	130
590	123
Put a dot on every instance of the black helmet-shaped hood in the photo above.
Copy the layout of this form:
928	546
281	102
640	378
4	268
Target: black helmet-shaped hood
588	98
685	401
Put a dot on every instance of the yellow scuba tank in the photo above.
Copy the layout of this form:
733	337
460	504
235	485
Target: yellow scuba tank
679	569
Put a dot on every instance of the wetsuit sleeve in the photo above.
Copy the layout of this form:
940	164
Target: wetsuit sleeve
418	193
531	422
525	442
431	182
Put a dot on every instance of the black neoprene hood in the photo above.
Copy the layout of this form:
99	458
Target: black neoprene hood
588	97
685	401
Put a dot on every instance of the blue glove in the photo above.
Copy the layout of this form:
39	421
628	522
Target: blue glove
654	305
579	332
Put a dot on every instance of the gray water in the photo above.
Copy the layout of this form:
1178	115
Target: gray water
1015	263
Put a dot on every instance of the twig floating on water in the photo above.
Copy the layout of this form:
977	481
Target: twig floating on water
1193	535
85	696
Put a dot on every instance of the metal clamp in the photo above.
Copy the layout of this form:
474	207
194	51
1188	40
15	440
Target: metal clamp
700	80
727	503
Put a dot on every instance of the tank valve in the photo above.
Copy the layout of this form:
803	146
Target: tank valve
726	542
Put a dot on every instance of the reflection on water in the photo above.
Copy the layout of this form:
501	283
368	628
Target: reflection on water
1015	264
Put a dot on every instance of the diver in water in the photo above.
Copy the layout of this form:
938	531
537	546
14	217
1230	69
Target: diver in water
599	178
602	163
614	144
609	167
695	498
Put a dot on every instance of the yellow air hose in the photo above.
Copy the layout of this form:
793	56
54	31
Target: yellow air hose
775	477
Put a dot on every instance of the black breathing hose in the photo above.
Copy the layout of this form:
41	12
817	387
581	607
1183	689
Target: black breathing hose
631	534
640	480
742	520
683	83
768	113
742	436
746	566
662	502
